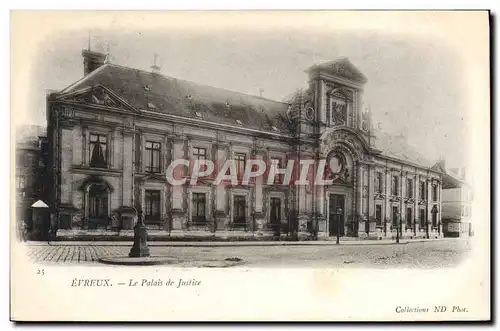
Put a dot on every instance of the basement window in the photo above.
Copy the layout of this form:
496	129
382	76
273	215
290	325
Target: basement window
151	105
239	122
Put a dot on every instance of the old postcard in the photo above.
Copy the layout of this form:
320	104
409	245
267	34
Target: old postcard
250	166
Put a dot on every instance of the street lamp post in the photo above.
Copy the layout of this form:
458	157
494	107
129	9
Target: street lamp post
401	225
397	231
427	229
339	212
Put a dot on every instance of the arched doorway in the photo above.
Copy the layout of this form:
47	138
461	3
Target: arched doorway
98	213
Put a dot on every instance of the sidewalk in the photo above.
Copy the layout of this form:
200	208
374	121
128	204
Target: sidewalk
343	242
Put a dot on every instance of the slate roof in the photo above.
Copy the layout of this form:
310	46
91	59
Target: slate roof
450	179
188	99
184	98
397	147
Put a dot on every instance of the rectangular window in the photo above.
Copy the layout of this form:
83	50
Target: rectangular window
434	220
395	185
409	217
380	182
422	190
395	216
20	182
378	214
28	161
21	186
422	218
98	150
409	188
199	153
198	208
153	209
153	155
434	192
240	159
239	215
278	179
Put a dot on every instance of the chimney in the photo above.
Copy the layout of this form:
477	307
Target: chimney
92	60
463	173
442	163
155	68
401	137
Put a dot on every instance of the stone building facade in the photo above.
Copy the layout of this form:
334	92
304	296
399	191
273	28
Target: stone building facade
456	202
30	177
113	134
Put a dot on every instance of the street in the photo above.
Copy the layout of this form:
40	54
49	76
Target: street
427	254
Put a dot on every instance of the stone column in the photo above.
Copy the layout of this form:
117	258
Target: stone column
85	147
112	150
128	160
402	206
320	202
415	204
179	171
387	207
439	209
429	206
359	197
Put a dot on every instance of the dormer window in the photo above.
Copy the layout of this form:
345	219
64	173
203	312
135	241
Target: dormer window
147	88
198	114
239	122
189	97
274	128
228	105
151	105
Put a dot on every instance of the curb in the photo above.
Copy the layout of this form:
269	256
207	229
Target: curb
234	244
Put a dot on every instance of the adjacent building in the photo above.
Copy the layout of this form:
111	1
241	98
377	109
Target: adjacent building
456	202
113	133
31	153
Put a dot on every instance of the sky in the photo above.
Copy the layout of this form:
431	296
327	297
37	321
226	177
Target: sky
415	86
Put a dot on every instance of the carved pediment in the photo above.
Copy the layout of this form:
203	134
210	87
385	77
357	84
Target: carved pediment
341	68
97	95
395	198
154	177
409	200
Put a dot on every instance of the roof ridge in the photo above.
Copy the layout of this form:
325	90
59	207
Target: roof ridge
84	78
191	82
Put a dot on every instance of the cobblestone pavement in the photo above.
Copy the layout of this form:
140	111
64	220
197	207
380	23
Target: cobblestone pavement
431	254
